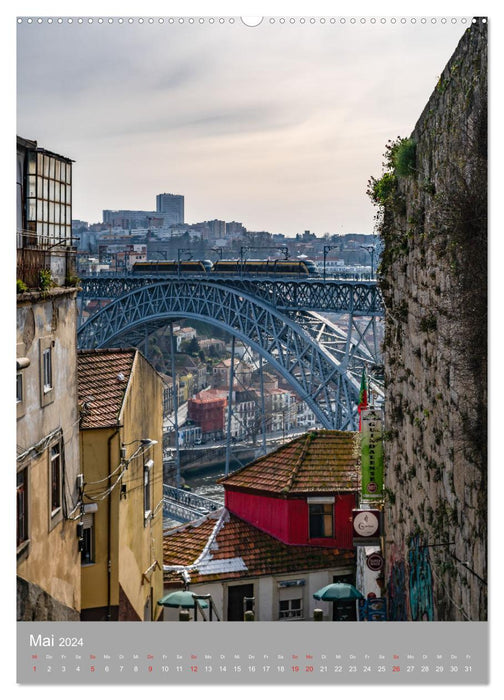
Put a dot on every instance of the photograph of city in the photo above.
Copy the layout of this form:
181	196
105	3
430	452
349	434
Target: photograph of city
251	331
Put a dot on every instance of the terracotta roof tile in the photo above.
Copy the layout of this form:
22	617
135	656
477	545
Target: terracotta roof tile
322	461
222	546
103	377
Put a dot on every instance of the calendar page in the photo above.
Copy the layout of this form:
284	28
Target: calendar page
251	349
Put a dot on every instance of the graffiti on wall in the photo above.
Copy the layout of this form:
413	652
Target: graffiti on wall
420	581
396	588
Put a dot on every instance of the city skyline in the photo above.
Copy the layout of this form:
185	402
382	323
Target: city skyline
277	126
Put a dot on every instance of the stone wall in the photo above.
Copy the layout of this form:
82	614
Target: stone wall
433	278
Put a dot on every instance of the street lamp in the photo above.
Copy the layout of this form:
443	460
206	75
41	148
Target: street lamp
371	250
327	248
184	251
145	443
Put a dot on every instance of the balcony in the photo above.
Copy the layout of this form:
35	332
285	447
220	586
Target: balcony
36	253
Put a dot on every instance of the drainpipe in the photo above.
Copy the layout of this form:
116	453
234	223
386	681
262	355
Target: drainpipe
109	535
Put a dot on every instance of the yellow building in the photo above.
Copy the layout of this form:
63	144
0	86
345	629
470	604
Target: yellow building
121	399
47	436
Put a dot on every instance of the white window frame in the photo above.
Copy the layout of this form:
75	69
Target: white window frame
56	455
321	501
293	612
147	491
46	362
47	370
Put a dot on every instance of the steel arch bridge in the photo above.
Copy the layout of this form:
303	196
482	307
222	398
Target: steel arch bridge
321	360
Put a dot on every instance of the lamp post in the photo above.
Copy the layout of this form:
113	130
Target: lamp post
327	248
371	250
183	251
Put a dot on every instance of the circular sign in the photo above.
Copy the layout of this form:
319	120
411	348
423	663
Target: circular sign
366	524
372	487
375	561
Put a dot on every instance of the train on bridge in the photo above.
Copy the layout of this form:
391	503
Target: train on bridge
276	267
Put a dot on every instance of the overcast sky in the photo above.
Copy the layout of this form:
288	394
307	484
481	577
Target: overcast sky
277	126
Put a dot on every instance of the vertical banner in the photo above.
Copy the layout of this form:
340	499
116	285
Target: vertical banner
372	454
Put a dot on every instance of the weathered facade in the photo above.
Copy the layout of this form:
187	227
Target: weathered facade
121	398
48	560
433	279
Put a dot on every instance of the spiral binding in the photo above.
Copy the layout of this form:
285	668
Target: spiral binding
309	21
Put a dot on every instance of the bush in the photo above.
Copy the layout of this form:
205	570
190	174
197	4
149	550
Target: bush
45	280
404	157
21	286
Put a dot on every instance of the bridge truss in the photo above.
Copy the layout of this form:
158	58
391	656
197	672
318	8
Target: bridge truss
321	359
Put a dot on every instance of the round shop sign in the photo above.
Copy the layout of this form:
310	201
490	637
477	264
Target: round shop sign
372	487
375	561
366	524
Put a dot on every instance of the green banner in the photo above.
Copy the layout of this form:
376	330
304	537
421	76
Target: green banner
371	454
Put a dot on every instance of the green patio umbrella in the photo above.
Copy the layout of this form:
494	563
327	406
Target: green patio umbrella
338	591
180	599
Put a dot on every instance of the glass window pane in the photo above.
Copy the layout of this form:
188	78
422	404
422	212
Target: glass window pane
40	187
57	166
32	210
51	190
51	167
46	166
51	212
69	173
40	163
32	186
45	188
32	163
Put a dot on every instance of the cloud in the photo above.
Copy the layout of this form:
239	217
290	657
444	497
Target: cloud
242	121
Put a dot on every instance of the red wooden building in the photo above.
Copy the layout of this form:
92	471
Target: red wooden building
304	492
284	532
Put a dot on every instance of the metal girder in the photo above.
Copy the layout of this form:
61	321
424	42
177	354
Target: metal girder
319	360
313	294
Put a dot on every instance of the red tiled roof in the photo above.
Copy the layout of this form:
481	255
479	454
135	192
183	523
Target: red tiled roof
222	546
324	461
103	377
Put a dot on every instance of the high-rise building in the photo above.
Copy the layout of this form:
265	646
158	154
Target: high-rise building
172	206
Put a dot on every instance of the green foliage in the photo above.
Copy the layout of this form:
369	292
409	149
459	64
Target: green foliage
21	286
383	189
45	280
404	157
400	161
72	281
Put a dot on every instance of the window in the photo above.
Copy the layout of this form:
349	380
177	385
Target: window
22	507
47	369
147	490
19	387
55	477
88	548
321	519
290	609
